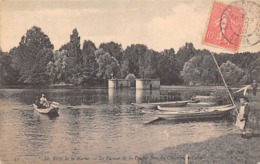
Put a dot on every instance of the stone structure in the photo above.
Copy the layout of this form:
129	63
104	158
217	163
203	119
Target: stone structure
131	77
147	84
118	83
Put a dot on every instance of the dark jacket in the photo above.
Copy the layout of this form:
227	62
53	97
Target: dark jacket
247	110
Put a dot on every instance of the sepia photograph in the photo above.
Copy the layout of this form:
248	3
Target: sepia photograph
129	81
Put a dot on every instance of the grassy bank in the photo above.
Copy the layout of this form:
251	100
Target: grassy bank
230	148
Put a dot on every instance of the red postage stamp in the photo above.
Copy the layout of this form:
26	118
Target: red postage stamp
225	26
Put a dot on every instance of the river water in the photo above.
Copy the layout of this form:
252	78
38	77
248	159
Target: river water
93	126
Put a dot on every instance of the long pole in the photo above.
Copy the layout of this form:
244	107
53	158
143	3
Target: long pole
224	82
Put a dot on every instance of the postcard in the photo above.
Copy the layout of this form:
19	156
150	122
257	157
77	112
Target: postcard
129	81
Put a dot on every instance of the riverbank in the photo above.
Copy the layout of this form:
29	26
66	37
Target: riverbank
162	87
195	87
230	148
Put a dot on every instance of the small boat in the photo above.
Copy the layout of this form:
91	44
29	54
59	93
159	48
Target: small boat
200	113
54	108
62	84
201	104
154	105
203	98
188	108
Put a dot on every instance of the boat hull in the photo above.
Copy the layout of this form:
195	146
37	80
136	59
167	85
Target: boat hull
51	109
165	104
197	114
189	108
201	104
203	98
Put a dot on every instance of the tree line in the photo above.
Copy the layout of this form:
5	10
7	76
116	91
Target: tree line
35	62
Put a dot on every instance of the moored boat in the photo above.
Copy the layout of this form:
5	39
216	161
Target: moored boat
154	105
203	98
212	112
189	108
201	104
54	108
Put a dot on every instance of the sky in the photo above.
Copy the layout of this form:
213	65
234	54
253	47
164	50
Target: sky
159	24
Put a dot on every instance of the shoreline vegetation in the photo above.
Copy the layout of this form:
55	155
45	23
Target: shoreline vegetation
232	147
35	61
162	87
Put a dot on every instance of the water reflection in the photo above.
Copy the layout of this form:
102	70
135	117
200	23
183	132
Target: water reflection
50	116
120	96
99	96
36	130
144	96
63	96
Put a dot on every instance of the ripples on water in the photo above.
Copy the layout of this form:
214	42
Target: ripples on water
90	123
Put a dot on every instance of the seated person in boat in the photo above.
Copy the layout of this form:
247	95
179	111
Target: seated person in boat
242	116
44	102
37	102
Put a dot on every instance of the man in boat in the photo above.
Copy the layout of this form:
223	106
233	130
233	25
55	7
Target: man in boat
37	102
44	102
242	116
254	86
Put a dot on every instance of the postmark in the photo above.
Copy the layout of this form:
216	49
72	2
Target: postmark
251	30
225	26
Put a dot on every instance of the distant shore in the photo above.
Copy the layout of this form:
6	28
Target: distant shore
229	148
162	87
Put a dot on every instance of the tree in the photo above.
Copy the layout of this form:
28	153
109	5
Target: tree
38	74
28	55
209	70
132	56
148	64
108	66
56	68
200	69
114	49
88	52
73	48
90	65
168	68
7	74
231	72
73	71
185	53
191	72
254	71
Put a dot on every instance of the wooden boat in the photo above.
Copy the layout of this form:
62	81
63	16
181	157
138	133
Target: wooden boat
212	112
201	104
188	108
203	98
54	108
154	105
62	84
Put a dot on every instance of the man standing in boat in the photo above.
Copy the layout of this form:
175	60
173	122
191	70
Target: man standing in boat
254	86
44	101
242	116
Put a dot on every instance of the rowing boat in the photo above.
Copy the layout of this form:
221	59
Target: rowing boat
212	112
203	98
54	108
188	108
154	105
201	104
